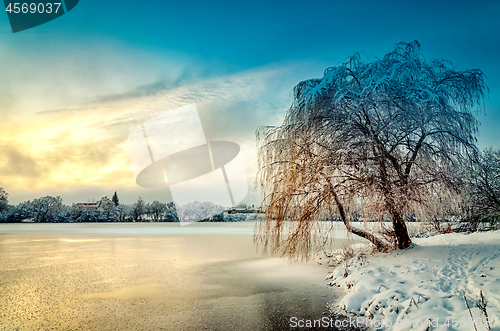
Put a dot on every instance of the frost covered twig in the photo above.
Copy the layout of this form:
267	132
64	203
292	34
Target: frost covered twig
481	304
470	312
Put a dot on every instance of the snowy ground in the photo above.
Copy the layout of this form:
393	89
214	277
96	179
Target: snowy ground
410	289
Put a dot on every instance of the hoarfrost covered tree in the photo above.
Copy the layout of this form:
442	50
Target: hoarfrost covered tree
380	139
484	187
138	210
123	213
4	201
20	212
81	213
8	214
108	211
171	213
196	211
115	199
45	209
156	211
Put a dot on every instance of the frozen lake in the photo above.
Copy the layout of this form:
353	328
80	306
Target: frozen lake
133	276
146	229
130	229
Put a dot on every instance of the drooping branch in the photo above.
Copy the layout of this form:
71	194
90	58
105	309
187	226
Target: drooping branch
388	135
379	245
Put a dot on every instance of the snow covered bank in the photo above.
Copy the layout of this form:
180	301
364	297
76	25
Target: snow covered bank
410	289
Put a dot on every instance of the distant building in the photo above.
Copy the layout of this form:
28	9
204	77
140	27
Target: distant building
243	211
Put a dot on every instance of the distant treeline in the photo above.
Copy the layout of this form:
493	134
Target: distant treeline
51	209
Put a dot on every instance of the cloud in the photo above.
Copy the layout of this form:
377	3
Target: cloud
16	163
72	149
46	76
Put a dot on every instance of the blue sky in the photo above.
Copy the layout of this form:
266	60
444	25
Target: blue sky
238	60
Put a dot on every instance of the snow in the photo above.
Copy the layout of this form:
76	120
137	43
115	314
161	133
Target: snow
425	284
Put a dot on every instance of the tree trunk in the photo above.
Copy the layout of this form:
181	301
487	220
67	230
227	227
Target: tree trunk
402	238
400	230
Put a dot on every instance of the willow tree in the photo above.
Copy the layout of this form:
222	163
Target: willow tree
380	139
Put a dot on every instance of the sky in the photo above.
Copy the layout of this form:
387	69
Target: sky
71	90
